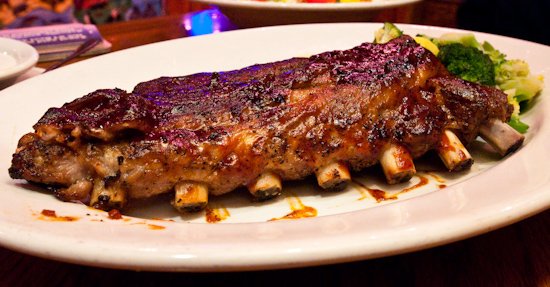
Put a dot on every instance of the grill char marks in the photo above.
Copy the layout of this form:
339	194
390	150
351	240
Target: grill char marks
265	123
103	115
206	100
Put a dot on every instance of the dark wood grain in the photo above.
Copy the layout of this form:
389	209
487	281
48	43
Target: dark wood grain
517	255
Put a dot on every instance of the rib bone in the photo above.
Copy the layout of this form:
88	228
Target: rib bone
501	136
266	186
334	176
107	197
190	196
453	153
223	129
397	164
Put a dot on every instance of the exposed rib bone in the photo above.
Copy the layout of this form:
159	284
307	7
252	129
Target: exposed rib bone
266	186
334	176
107	197
190	196
453	153
397	163
502	137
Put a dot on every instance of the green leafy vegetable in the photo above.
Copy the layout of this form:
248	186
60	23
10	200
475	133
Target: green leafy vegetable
465	57
515	74
516	80
468	63
386	33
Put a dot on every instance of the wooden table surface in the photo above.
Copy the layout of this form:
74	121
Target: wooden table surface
517	255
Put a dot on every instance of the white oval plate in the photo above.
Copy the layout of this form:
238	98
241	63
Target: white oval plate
246	14
16	57
350	225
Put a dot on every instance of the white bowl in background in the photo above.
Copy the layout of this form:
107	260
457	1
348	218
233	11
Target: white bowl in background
247	14
16	58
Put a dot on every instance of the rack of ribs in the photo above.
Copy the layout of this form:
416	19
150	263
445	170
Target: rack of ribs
211	133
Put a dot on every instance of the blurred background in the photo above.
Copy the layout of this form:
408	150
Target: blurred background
26	13
515	18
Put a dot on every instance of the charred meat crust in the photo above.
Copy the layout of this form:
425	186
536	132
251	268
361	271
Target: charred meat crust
289	117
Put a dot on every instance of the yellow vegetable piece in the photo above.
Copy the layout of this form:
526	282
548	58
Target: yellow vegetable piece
426	43
511	93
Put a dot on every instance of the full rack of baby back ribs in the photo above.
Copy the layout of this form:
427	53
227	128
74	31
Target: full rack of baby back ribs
210	133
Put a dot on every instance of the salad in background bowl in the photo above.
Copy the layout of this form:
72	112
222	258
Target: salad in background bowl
253	13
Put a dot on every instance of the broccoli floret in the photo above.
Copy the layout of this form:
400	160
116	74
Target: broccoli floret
466	39
496	56
468	63
469	40
386	33
464	56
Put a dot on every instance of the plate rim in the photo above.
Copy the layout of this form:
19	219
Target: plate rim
310	254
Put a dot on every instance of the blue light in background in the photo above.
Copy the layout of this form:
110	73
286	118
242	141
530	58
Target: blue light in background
206	22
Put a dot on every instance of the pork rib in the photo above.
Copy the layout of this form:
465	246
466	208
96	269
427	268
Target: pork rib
216	132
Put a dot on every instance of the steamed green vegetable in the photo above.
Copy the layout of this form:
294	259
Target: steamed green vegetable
468	63
516	80
388	32
465	57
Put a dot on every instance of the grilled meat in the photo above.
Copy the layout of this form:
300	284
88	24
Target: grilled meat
211	133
